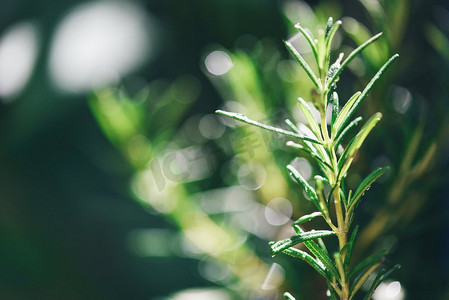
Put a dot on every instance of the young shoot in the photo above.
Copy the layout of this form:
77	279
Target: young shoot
323	144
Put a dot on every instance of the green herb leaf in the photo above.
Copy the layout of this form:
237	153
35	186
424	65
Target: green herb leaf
309	39
333	70
370	85
319	187
383	274
245	119
330	21
346	159
352	56
309	146
343	133
362	279
339	263
335	107
320	254
365	185
289	296
349	248
344	114
322	245
307	218
330	34
329	38
303	64
308	151
279	246
310	191
291	125
368	262
314	263
317	149
309	117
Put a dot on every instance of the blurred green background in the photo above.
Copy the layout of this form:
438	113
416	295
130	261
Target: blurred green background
118	182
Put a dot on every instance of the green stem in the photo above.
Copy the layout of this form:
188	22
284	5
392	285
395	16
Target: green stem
342	239
342	230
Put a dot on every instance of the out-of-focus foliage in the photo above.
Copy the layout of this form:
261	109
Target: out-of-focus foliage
164	166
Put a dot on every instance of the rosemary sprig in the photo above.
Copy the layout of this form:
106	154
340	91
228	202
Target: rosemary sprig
343	282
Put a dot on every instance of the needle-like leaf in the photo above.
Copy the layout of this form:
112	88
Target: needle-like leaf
344	114
329	36
341	135
335	107
310	191
320	254
291	125
309	146
339	264
346	159
370	86
279	246
383	274
245	119
365	185
312	154
330	21
307	218
331	33
314	263
289	296
309	39
309	117
349	248
362	279
368	262
303	64
352	56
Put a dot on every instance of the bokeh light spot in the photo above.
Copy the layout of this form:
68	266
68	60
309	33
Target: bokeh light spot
278	211
218	62
402	99
303	167
18	50
99	42
201	294
252	176
389	291
274	278
210	127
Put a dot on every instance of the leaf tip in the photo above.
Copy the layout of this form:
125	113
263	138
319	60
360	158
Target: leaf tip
291	168
378	35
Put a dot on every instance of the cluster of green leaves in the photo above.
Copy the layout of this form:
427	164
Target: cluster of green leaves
324	143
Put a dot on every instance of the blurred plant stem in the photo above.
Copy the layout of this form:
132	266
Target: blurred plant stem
122	121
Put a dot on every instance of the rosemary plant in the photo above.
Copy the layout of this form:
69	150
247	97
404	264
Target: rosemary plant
324	144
